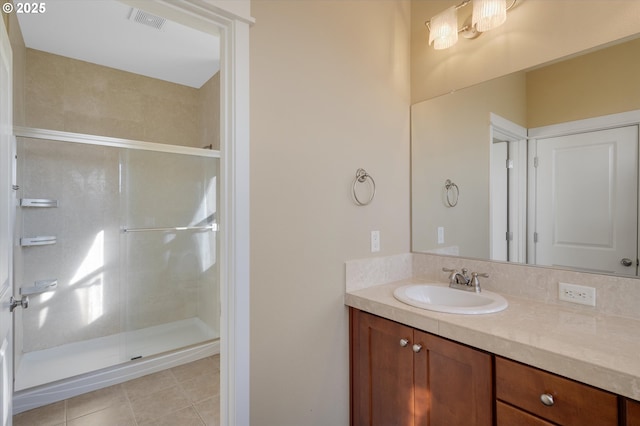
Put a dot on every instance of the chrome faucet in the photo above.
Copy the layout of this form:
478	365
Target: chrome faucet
460	278
462	281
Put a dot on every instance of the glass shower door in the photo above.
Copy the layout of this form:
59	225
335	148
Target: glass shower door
169	251
67	262
117	252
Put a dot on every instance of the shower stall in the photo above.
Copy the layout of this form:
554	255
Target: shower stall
117	252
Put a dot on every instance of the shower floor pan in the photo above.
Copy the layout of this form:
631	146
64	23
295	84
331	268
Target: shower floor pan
50	365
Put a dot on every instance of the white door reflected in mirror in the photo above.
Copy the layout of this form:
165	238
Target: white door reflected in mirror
586	201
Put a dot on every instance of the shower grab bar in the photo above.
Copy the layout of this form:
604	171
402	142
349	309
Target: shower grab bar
40	286
212	227
38	202
37	241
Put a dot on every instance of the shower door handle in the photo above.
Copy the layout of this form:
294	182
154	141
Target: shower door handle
14	303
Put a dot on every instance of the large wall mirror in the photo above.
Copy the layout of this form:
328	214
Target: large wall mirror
537	167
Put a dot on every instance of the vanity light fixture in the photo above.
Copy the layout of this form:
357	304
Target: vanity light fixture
444	29
487	15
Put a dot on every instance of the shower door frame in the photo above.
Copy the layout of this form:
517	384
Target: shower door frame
52	390
234	172
7	203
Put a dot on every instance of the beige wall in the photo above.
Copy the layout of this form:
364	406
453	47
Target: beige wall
599	83
329	94
76	96
536	31
242	8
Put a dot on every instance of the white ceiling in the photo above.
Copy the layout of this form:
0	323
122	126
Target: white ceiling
100	32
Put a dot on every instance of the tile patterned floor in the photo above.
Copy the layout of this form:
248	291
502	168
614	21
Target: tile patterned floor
187	395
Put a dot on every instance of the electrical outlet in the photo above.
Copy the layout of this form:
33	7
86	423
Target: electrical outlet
577	294
440	234
375	241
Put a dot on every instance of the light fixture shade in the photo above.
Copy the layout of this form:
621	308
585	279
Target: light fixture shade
443	32
489	14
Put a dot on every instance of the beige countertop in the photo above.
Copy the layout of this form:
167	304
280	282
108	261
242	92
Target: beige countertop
593	348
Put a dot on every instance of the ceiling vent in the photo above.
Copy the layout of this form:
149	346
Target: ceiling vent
146	18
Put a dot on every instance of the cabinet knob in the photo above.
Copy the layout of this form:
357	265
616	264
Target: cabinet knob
404	342
547	399
417	348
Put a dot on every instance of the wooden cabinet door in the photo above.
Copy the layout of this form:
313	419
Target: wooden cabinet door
453	383
381	372
632	412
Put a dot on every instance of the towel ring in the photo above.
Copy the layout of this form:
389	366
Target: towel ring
453	193
361	177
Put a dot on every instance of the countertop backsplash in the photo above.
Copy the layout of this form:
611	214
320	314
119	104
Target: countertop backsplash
615	295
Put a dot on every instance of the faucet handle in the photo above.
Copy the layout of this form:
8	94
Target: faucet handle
452	274
475	282
479	274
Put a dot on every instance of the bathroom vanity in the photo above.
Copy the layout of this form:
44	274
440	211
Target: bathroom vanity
531	364
402	375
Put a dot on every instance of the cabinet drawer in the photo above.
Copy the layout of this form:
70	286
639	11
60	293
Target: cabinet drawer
573	403
507	415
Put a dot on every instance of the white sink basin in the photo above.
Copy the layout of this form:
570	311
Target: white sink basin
440	298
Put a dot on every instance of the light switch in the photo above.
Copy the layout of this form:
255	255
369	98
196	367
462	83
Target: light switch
375	241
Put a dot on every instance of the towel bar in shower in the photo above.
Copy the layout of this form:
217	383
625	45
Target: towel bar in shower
212	227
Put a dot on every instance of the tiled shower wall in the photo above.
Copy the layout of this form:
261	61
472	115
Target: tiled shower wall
110	281
75	96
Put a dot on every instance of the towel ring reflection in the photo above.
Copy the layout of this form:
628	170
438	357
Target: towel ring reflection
361	177
453	193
